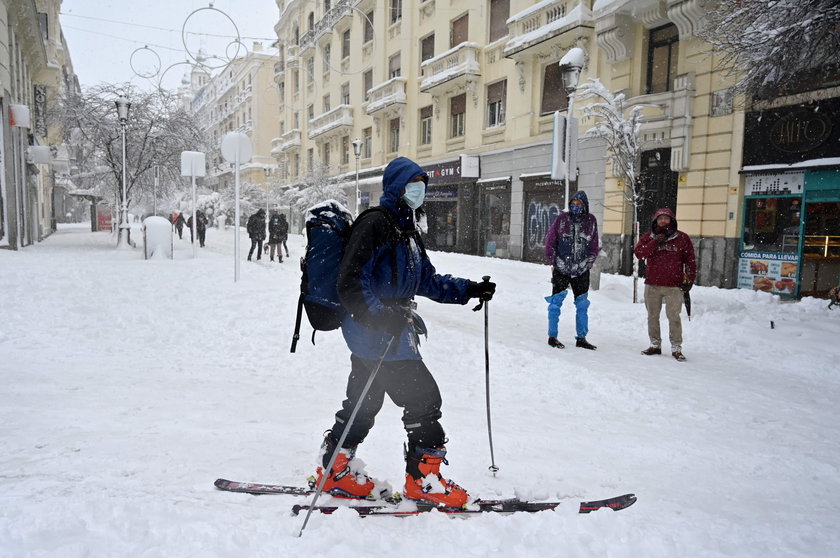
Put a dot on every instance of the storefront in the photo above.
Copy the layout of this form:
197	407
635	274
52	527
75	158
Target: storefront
450	209
543	202
790	242
494	217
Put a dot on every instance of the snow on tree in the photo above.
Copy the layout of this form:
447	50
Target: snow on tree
313	189
619	126
772	44
157	130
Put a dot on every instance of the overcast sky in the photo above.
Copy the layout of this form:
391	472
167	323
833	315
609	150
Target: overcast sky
107	37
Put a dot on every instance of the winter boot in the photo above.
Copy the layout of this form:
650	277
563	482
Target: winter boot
652	350
346	479
424	482
584	344
553	342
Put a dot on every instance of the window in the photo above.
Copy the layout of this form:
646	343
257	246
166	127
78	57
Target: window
394	135
327	6
459	30
394	66
345	44
310	160
367	143
427	48
345	94
326	158
327	106
458	111
311	21
297	35
296	80
499	13
553	95
662	59
310	69
496	97
368	36
310	112
396	10
345	150
282	128
367	83
426	125
296	164
297	120
327	53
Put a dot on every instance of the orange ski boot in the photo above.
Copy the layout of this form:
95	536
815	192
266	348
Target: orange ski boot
346	479
424	482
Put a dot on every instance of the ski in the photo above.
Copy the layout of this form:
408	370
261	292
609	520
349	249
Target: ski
395	507
480	506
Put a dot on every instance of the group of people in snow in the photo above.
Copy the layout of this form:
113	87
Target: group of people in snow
385	265
278	234
178	222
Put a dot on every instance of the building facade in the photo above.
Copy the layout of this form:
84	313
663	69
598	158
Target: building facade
35	72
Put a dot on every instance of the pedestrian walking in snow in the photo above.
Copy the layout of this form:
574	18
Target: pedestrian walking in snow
383	268
200	227
179	221
671	270
571	247
278	232
256	231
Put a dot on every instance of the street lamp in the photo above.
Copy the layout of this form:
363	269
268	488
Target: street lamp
570	66
357	149
122	112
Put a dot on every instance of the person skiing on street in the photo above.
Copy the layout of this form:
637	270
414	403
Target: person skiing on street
671	270
278	231
256	231
571	247
383	268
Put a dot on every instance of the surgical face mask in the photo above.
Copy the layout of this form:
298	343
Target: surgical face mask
576	209
415	193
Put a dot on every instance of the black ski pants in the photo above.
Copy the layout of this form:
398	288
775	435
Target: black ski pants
256	244
410	386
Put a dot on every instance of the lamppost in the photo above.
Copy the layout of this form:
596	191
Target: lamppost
570	66
357	149
122	112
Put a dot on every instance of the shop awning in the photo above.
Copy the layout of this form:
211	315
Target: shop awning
801	165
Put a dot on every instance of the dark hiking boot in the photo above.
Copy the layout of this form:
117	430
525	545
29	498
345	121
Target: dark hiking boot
584	344
652	351
678	355
424	482
553	342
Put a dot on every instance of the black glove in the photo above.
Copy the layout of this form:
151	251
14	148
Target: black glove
686	286
660	238
483	291
391	320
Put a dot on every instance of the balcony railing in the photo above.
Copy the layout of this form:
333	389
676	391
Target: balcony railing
547	20
458	63
391	92
289	141
335	120
326	23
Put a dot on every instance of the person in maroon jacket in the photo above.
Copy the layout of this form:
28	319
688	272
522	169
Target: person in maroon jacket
671	270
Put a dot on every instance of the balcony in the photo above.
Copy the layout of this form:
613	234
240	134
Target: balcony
292	57
326	24
279	71
548	25
385	95
338	120
453	69
290	141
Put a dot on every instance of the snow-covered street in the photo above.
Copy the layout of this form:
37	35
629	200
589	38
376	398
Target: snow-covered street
129	386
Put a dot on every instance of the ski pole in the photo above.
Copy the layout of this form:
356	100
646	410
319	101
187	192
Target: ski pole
493	468
344	436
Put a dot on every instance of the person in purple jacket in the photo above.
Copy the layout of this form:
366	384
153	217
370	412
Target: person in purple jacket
571	247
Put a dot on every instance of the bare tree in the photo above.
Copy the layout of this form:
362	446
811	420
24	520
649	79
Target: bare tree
772	43
619	126
157	130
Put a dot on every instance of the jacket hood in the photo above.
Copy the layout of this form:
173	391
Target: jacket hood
398	173
580	195
664	211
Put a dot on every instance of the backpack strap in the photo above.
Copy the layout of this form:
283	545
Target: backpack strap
296	336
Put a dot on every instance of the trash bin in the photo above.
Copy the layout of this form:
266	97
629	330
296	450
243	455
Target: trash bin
157	238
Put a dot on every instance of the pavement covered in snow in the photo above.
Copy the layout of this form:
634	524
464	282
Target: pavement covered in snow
129	386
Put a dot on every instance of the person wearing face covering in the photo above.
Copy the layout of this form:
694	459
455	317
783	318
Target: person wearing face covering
571	247
384	267
671	270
